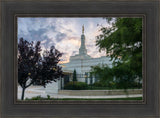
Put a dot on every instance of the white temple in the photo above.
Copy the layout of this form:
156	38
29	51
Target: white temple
82	63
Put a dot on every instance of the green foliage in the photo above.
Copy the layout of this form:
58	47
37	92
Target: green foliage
101	86
74	75
35	98
123	42
104	73
40	98
48	97
76	86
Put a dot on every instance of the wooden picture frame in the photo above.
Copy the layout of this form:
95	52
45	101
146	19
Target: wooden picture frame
149	107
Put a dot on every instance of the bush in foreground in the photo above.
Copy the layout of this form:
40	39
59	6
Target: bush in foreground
76	86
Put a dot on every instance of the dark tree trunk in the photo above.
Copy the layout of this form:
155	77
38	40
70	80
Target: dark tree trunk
23	90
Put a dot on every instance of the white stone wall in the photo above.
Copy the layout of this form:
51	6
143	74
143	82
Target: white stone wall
83	64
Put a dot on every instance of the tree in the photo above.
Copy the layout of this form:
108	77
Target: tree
33	67
104	74
74	76
123	43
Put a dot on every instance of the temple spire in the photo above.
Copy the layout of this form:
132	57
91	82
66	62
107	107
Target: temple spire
82	49
83	29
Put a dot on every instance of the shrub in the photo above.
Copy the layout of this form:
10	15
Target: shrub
36	98
98	84
40	98
106	85
76	86
48	97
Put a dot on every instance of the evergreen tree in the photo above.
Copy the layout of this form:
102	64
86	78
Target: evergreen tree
74	76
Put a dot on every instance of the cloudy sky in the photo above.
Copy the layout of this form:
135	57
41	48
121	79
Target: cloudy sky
63	33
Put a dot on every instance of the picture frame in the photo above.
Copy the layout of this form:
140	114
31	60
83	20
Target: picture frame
147	108
143	101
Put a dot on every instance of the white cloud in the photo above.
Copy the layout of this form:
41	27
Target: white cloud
67	30
44	41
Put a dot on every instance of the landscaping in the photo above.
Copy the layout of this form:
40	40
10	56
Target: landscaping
74	85
49	98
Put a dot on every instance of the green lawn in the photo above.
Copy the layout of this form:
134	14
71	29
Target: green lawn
41	98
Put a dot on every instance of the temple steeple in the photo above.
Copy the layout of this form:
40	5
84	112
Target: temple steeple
82	49
83	29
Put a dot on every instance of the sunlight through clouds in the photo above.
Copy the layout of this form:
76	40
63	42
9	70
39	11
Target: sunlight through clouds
63	33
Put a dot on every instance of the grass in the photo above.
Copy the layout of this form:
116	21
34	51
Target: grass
137	98
41	98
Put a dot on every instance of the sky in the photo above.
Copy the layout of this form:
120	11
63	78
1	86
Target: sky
63	33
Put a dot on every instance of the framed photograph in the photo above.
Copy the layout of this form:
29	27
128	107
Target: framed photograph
73	67
80	59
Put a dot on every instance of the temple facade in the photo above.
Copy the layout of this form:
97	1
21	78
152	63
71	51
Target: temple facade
83	62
